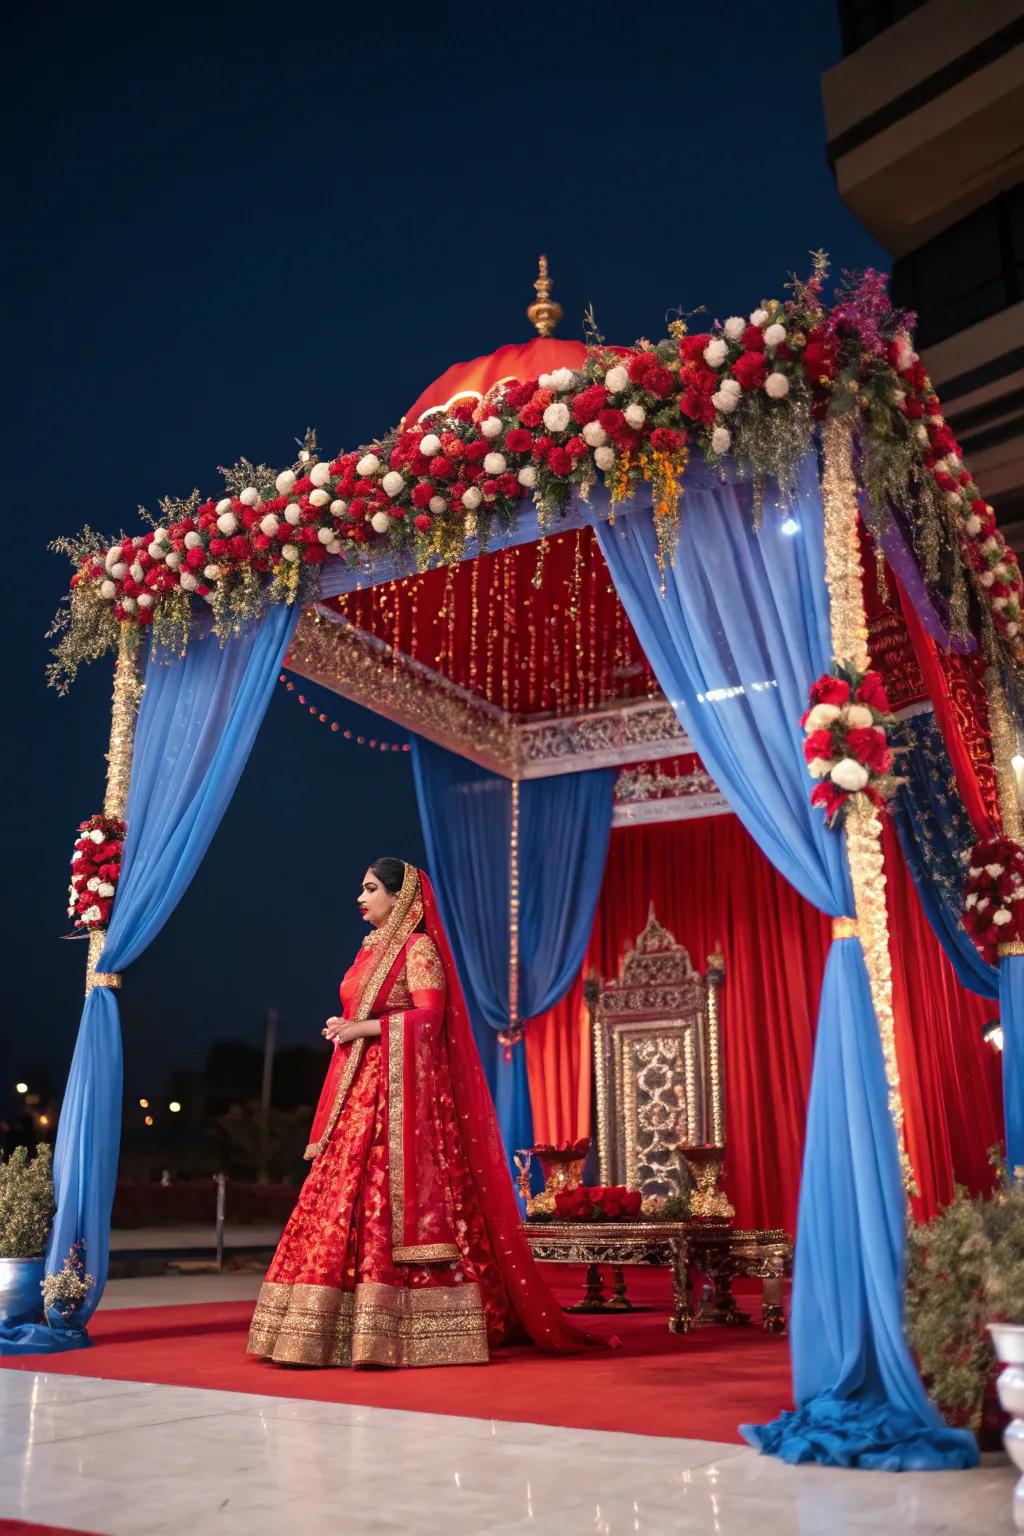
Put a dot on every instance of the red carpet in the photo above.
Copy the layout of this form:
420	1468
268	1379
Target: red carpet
698	1386
27	1528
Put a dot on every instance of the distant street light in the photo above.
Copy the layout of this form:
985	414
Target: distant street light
21	1087
44	1119
174	1107
149	1119
143	1103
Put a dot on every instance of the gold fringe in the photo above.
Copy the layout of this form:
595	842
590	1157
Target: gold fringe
844	576
845	928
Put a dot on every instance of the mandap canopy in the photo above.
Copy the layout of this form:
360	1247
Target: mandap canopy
570	569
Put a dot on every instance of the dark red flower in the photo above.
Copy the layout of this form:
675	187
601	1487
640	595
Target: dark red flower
750	369
871	691
867	744
830	690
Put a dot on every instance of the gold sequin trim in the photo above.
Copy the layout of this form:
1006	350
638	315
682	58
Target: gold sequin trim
423	966
424	1253
302	1325
1011	947
845	928
444	1325
396	1128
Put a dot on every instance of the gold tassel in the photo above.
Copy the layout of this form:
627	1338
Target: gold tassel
844	577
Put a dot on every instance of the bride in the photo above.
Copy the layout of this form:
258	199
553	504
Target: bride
405	1247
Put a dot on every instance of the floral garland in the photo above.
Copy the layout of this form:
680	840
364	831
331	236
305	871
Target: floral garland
846	748
994	902
748	390
598	1202
95	871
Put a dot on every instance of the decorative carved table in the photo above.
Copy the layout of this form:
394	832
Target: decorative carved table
715	1250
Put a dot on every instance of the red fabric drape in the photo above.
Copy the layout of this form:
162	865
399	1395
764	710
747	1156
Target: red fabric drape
710	883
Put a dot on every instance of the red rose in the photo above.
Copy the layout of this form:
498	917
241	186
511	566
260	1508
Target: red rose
829	796
830	690
664	440
640	365
871	691
518	440
531	415
612	420
239	546
477	450
913	408
660	381
691	348
750	369
218	546
422	523
818	744
753	339
261	541
195	558
422	493
442	468
867	745
559	461
587	404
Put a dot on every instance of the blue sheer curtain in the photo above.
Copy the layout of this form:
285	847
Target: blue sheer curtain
564	826
735	639
197	723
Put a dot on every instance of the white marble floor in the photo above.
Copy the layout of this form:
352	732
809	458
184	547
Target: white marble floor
130	1459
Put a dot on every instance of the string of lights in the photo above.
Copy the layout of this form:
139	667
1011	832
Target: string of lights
348	735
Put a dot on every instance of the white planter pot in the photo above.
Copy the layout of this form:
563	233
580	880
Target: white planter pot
21	1300
1008	1342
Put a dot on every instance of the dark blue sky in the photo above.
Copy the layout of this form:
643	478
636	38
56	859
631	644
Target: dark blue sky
230	224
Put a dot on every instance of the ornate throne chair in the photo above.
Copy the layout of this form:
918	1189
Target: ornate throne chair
657	1072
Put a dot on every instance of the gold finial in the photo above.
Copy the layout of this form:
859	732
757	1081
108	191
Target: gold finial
544	312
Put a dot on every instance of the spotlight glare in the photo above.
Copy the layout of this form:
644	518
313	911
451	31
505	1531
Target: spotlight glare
21	1087
174	1107
790	526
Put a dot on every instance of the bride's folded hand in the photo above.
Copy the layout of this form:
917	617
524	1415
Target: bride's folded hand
342	1031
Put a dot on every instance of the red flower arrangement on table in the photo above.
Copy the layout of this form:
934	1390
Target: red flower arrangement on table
95	871
613	1202
846	747
749	389
994	904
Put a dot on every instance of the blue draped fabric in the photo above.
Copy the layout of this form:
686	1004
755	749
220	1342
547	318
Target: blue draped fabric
736	638
936	836
564	826
1011	1017
197	723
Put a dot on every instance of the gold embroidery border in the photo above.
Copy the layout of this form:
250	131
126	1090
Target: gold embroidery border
439	1325
403	922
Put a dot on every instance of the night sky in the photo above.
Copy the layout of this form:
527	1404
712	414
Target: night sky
229	225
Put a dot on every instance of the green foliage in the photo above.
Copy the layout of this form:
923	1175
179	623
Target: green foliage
965	1270
26	1203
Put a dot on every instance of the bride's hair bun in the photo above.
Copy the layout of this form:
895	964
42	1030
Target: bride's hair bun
390	873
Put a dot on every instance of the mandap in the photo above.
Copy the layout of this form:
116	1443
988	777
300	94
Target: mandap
721	620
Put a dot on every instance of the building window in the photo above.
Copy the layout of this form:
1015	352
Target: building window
861	20
972	270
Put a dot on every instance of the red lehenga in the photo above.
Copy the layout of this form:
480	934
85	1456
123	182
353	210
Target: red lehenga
405	1247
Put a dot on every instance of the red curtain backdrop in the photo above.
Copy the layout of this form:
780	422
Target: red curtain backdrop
710	884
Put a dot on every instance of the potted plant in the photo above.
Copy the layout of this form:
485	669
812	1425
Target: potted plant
965	1310
26	1211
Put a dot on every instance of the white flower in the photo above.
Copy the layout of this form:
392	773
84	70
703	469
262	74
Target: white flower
821	717
1001	917
849	774
320	474
380	522
368	465
161	536
293	514
495	463
858	717
97	835
724	402
192	541
986	578
491	427
527	476
544	381
211	572
471	498
1000	602
250	496
921	432
145	599
224	505
437	505
339	508
774	335
594	434
604	458
290	552
269	525
319	497
993	871
721	440
982	902
731	387
285	482
91	915
430	445
112	556
991	545
173	559
119	570
734	327
716	352
758	317
137	573
188	581
334	547
227	523
93	884
393	483
325	535
156	551
906	357
107	590
1012	629
971	900
104	888
616	379
556	416
776	386
563	379
635	415
898	396
818	767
